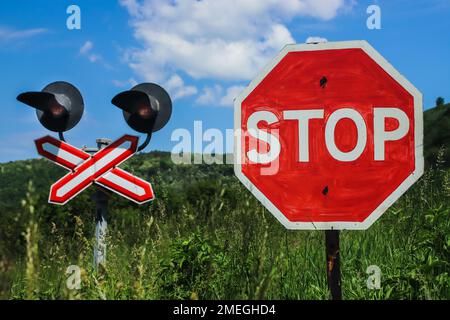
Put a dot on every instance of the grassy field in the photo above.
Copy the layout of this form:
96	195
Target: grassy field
206	237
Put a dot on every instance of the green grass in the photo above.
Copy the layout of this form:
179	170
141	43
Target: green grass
206	237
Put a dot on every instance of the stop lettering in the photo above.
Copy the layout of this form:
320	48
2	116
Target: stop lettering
303	117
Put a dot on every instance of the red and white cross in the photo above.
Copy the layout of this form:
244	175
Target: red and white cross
99	168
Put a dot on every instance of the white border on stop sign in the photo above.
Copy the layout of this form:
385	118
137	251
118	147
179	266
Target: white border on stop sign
394	196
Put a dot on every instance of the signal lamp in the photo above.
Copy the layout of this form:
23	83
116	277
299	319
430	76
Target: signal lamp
146	107
59	106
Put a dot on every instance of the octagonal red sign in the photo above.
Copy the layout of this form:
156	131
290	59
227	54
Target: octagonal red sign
329	136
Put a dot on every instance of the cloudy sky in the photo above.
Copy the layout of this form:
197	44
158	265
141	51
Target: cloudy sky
202	52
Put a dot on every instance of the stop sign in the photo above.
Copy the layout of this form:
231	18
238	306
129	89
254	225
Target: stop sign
329	136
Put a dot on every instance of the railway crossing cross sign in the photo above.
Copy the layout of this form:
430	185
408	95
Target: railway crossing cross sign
100	168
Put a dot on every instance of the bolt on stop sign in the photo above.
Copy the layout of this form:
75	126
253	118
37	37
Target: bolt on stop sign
329	136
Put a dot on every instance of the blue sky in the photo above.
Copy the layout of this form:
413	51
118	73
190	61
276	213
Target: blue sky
202	52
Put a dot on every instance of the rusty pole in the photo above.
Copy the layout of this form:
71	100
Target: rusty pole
333	263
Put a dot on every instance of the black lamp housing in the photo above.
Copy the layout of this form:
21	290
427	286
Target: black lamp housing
147	107
59	106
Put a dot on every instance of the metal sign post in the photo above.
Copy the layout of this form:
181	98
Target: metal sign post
101	204
333	263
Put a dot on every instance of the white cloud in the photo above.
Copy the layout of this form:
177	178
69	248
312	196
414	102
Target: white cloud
214	39
132	6
217	96
86	50
125	84
175	86
10	34
86	47
210	95
232	92
177	89
316	40
94	57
